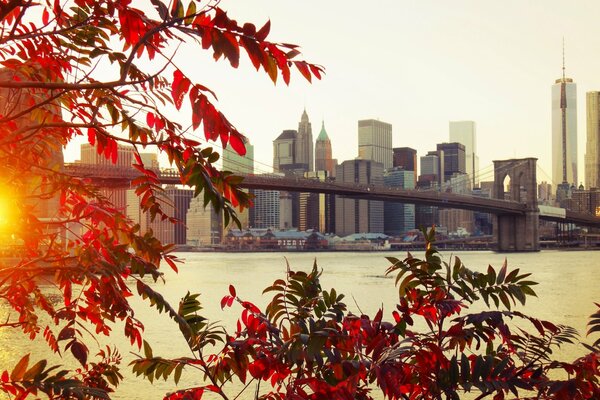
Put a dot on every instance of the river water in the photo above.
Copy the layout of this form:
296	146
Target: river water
569	284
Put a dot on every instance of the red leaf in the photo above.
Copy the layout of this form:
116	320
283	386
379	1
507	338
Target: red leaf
224	301
179	87
231	49
187	153
159	123
262	34
114	152
5	376
303	68
67	293
213	388
150	119
232	290
197	113
91	136
237	144
253	50
45	16
79	351
171	264
316	71
249	29
249	306
138	159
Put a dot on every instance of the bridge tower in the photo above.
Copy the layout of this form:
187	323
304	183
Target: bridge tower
517	232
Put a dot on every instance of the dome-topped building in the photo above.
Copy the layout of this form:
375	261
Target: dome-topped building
323	155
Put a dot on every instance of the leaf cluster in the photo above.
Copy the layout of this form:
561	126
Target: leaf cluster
306	345
110	72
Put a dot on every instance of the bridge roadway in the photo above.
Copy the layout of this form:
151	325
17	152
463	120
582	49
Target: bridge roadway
115	176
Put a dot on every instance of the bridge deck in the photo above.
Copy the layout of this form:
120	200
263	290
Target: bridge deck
121	176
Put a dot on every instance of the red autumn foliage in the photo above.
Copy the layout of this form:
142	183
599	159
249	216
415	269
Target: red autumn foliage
108	71
306	345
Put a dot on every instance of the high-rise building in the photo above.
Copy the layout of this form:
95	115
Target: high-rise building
564	133
592	144
238	164
584	201
453	159
266	210
375	142
293	156
293	150
284	151
205	226
432	165
320	207
455	219
323	156
463	132
431	178
89	155
354	215
304	146
399	217
545	196
483	222
406	158
162	229
181	203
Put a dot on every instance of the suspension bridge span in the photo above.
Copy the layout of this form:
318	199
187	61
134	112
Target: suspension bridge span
517	220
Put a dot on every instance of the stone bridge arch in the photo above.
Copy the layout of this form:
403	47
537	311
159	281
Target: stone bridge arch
517	232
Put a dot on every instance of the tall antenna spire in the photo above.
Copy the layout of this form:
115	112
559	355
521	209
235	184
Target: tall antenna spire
563	58
563	110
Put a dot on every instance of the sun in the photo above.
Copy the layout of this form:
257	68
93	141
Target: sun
9	211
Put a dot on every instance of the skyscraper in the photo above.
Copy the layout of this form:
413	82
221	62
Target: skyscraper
163	229
463	132
265	213
592	145
406	158
453	159
431	178
354	215
375	142
399	218
293	150
205	226
323	155
564	132
236	163
89	155
181	203
285	160
284	151
304	146
293	155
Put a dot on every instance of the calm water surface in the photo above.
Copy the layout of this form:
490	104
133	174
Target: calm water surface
569	284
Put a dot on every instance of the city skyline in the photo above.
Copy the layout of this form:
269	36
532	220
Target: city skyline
428	64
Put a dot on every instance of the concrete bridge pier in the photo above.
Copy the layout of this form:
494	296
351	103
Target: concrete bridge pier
517	232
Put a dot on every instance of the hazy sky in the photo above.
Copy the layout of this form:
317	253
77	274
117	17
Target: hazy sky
417	65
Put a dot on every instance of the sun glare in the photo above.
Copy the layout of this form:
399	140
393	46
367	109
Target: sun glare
8	214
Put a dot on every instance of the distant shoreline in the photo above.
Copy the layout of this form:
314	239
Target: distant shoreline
395	249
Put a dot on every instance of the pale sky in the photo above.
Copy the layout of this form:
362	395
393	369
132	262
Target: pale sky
416	65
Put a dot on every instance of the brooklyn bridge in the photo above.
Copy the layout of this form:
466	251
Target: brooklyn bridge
517	219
